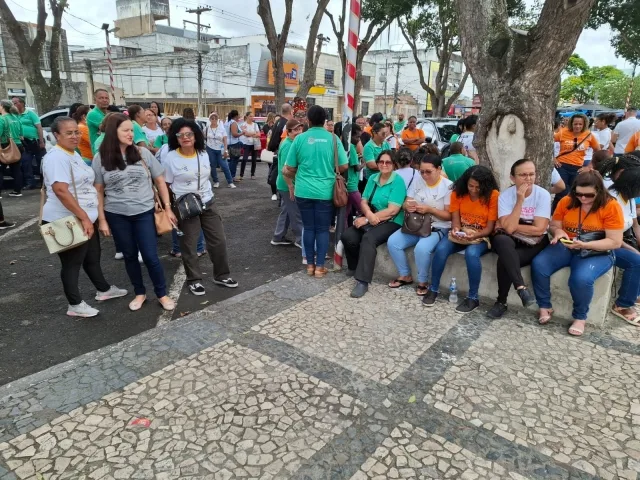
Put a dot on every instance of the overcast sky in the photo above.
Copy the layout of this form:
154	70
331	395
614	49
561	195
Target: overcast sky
241	19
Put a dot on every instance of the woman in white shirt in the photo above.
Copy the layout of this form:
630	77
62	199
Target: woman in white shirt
69	185
187	170
622	178
234	134
151	129
468	133
404	159
391	139
429	193
524	213
250	134
602	133
216	138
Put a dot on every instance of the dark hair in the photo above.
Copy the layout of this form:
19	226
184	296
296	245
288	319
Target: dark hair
188	113
337	129
430	148
157	105
355	130
412	116
316	115
469	122
459	126
232	114
177	125
517	163
609	118
589	178
292	124
557	122
376	127
110	152
584	119
483	176
98	90
624	171
435	160
404	156
55	125
80	112
20	99
600	156
133	111
103	123
391	155
375	118
456	148
74	107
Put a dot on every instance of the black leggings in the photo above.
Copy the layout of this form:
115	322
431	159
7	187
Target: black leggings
512	256
248	149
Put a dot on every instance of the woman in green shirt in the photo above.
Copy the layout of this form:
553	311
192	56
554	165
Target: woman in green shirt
11	128
382	215
353	175
138	117
161	140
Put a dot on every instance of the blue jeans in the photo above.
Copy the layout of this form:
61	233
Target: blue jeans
584	273
134	233
26	165
568	173
630	287
215	159
472	254
425	246
316	220
233	161
175	242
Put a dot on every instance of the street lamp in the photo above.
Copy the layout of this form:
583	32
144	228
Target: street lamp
105	27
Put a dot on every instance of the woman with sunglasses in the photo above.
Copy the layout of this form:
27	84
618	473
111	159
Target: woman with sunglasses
429	193
574	142
381	206
524	212
474	211
187	170
588	209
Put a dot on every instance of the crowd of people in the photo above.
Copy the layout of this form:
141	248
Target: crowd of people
403	193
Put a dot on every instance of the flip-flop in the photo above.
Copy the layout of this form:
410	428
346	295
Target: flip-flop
421	290
544	319
401	283
175	254
576	331
635	321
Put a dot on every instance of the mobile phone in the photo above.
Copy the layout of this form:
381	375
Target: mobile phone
566	240
461	234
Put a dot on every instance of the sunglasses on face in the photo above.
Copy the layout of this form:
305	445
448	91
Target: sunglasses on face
184	135
585	195
385	162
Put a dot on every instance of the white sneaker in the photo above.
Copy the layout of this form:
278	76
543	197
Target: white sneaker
82	310
216	184
119	256
113	292
232	185
274	197
140	258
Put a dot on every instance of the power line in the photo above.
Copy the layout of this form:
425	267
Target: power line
81	33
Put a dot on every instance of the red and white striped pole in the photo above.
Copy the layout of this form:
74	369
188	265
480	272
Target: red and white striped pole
105	26
347	112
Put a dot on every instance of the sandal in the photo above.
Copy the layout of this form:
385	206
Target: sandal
544	319
202	253
175	254
421	290
311	270
398	282
577	330
167	303
629	315
136	303
320	272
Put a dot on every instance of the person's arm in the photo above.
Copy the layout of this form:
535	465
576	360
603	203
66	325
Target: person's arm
558	187
557	231
41	142
103	225
343	159
225	152
509	223
612	241
439	214
67	199
485	232
636	228
369	162
632	145
389	212
163	193
472	154
235	132
456	224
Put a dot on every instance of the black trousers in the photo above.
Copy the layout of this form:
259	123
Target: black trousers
360	248
16	172
512	256
248	149
87	257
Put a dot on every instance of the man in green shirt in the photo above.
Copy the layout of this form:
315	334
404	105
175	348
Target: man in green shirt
373	148
97	113
456	163
33	142
400	124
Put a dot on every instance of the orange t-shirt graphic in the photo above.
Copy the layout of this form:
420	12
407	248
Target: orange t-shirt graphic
608	217
568	140
475	214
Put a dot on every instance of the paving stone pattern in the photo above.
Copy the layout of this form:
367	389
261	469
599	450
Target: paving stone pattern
297	380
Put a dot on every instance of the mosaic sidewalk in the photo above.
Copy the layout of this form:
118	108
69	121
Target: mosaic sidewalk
297	380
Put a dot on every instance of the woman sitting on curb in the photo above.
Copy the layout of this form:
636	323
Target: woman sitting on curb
524	211
428	194
586	226
474	209
382	208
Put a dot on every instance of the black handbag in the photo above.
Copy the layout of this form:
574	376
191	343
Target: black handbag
190	204
590	237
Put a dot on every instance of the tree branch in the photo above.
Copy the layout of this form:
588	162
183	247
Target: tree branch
339	33
41	33
311	58
57	8
414	49
458	91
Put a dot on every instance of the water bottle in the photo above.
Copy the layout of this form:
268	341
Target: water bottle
453	291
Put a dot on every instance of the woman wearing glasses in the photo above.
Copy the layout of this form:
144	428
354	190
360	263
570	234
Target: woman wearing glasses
591	210
524	211
574	142
187	170
429	193
381	206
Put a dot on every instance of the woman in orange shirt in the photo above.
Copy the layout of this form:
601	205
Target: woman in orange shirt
574	142
474	204
588	210
84	144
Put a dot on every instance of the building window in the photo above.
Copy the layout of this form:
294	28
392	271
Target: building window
329	113
329	76
365	109
311	101
45	63
366	82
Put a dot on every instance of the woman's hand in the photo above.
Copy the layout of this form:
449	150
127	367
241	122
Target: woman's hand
522	191
423	209
87	226
558	235
373	219
360	222
411	207
577	245
225	154
172	218
556	163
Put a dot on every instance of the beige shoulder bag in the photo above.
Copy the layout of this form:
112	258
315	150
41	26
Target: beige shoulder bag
65	233
163	224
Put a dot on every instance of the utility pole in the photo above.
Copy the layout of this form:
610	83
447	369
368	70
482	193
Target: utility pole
199	11
395	90
105	27
89	77
386	72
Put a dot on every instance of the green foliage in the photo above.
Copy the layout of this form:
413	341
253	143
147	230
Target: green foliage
576	65
614	93
380	11
590	81
623	16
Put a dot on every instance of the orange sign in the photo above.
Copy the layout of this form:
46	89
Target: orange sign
290	74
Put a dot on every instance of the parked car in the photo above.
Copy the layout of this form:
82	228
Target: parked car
438	131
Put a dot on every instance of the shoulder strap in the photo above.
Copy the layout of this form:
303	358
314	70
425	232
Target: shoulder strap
412	177
198	160
575	147
335	153
373	192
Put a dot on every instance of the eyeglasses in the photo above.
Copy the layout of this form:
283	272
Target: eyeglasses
72	134
585	195
426	172
385	162
184	135
525	175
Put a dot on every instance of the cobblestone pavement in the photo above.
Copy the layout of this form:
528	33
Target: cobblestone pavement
297	380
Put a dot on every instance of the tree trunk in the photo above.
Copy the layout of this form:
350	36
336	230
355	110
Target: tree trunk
312	53
518	77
